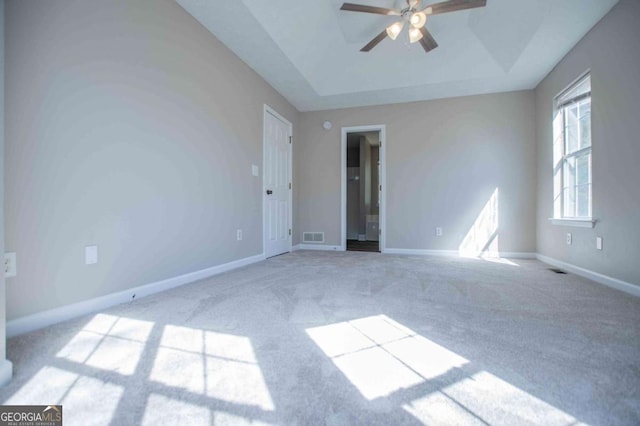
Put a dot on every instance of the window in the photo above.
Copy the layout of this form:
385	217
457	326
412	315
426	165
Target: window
572	152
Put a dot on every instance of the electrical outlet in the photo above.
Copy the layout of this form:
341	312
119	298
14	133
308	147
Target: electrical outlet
438	232
568	238
91	255
10	267
239	234
599	243
255	171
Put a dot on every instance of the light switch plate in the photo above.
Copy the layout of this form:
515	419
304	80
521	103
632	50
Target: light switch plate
91	255
255	170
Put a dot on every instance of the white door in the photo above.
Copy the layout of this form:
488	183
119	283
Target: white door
277	185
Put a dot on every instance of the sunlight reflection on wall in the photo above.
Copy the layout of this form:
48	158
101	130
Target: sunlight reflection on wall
482	238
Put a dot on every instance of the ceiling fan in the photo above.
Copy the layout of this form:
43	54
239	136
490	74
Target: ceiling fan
415	16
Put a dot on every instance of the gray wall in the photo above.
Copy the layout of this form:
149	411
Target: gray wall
131	127
610	50
3	302
444	160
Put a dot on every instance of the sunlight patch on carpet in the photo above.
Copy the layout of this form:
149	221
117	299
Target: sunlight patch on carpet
384	359
161	409
110	343
218	365
77	393
497	401
379	356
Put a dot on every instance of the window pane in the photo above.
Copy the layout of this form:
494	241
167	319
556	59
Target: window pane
583	194
557	192
572	173
583	172
571	128
585	123
569	187
570	202
569	172
558	150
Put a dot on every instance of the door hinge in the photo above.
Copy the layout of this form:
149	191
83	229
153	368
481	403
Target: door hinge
380	187
289	231
379	231
289	185
290	139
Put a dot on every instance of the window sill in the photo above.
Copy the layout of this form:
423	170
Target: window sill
578	223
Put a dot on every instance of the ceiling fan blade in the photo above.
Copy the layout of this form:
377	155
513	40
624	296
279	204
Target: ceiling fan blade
373	43
427	41
351	7
453	5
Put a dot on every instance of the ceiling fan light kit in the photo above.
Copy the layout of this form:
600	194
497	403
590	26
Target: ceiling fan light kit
418	19
395	29
414	35
416	16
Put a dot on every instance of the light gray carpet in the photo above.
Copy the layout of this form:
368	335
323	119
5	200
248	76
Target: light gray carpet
347	338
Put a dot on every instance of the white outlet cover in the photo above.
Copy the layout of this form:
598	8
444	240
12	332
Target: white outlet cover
599	243
569	239
255	170
11	269
91	255
239	234
438	232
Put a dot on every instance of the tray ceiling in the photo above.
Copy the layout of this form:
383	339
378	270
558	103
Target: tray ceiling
310	50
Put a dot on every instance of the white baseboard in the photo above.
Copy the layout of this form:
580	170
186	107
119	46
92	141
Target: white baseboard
421	252
6	372
518	255
594	276
455	253
42	319
320	247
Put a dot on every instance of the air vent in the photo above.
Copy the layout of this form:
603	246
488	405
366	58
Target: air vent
313	237
557	271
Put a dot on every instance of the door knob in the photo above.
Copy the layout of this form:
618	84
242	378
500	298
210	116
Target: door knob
269	192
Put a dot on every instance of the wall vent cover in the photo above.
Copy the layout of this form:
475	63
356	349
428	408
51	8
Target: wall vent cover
313	237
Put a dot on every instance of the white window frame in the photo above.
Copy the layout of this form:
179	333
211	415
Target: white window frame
560	158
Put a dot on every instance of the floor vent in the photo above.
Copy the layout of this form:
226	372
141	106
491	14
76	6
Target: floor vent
313	237
557	271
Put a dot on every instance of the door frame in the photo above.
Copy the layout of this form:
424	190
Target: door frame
382	181
268	110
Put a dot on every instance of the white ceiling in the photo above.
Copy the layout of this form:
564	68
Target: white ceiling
309	50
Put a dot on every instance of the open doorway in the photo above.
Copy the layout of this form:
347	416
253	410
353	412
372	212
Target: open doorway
362	188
